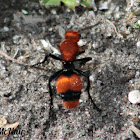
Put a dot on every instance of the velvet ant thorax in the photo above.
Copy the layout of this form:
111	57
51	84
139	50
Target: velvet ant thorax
69	47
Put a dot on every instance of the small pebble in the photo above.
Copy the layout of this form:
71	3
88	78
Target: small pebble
134	96
138	44
139	22
6	29
46	44
91	78
95	45
116	41
53	12
82	42
24	12
61	31
103	6
16	39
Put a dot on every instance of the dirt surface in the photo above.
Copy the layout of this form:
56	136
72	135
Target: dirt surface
114	70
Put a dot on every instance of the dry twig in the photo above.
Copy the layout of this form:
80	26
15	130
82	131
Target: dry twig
12	59
135	130
115	29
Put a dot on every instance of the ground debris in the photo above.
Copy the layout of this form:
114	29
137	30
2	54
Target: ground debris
6	128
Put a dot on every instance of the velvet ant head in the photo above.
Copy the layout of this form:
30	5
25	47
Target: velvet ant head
72	35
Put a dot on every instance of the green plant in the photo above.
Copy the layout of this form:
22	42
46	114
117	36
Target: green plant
70	3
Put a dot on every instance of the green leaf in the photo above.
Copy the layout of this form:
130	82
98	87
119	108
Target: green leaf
85	3
137	24
70	3
51	2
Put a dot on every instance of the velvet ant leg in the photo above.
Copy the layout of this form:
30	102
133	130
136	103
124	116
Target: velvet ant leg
83	60
51	111
89	27
46	58
81	52
55	57
87	88
50	89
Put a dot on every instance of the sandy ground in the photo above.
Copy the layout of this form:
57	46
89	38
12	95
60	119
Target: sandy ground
114	71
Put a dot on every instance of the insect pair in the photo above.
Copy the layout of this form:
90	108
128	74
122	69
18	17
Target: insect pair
68	80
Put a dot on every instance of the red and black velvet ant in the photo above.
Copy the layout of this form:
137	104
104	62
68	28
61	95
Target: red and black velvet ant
68	80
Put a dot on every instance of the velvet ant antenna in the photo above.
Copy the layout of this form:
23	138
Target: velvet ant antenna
89	27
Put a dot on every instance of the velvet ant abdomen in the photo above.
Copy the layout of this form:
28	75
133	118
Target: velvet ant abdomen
70	104
65	83
69	89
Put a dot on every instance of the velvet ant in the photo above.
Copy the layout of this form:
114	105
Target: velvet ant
68	80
